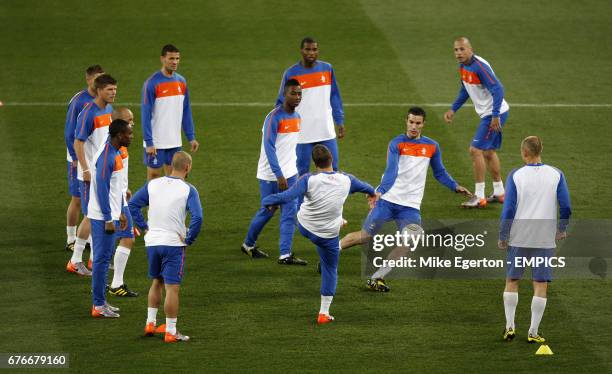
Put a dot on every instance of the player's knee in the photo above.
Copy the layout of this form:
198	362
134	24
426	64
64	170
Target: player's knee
475	152
127	243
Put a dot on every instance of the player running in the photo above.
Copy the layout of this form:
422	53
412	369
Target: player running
320	216
402	186
165	110
479	83
75	106
528	231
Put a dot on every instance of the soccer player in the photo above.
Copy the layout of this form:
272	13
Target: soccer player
320	216
402	186
169	199
276	172
321	104
75	106
479	83
165	110
528	231
91	132
126	237
105	210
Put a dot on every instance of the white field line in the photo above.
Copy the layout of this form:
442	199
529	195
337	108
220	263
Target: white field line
267	104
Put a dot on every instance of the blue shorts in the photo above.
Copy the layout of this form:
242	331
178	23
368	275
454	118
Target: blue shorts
486	139
73	182
163	157
84	192
385	211
304	154
517	257
129	231
167	263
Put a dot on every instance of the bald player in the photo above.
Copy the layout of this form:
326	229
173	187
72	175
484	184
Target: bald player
126	237
169	199
479	83
529	228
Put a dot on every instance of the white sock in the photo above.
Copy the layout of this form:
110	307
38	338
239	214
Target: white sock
121	258
479	189
70	234
498	188
382	272
248	248
152	315
79	247
282	257
171	325
538	304
325	303
510	302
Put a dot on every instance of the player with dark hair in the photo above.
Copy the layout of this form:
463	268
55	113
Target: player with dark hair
75	106
478	82
529	229
91	132
165	111
276	171
321	104
169	199
126	237
320	216
402	186
105	210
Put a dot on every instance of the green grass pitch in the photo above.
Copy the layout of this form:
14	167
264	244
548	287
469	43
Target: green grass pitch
248	315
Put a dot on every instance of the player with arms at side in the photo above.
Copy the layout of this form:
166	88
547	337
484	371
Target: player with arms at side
478	82
126	237
320	216
529	229
321	104
105	210
402	187
75	106
91	132
276	172
169	199
165	111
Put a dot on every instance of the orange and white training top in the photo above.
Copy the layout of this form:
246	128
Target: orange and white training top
321	103
106	189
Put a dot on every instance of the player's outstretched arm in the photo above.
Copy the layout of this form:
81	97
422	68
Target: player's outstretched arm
139	200
336	104
440	173
298	189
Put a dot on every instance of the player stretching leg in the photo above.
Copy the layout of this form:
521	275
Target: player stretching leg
408	158
320	216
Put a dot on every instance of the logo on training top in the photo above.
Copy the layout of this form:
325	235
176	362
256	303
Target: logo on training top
179	89
323	78
423	151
